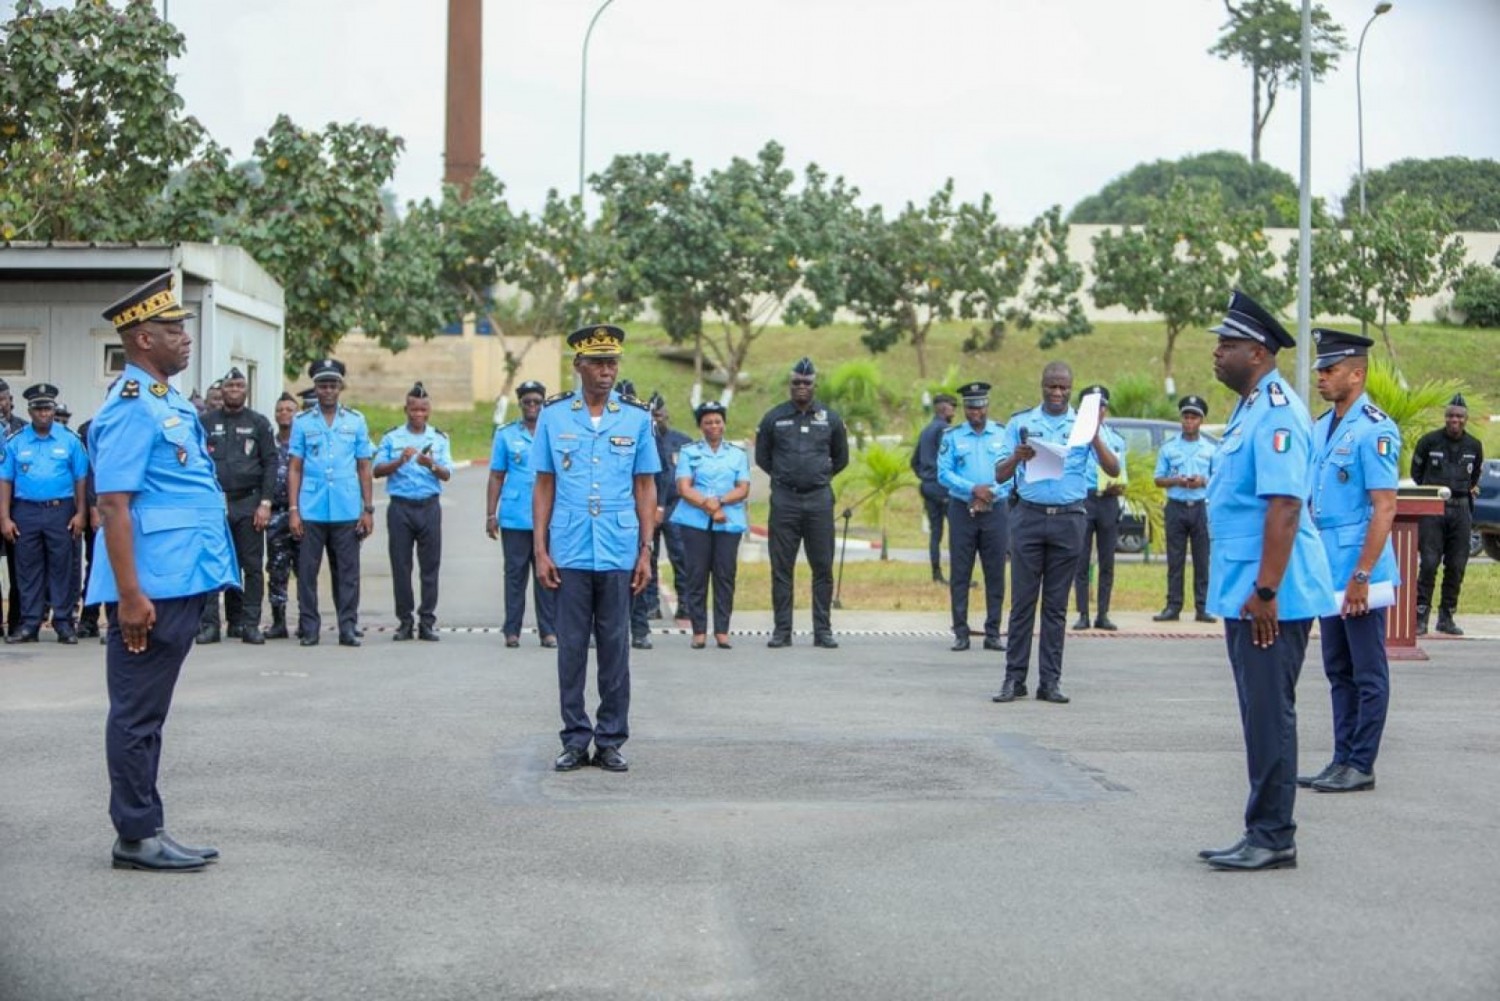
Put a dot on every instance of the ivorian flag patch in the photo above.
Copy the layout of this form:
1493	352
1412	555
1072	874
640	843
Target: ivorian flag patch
1384	445
1281	441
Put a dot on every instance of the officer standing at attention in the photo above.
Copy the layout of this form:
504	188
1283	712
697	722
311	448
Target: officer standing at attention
1448	457
924	462
88	619
418	461
332	491
1269	577
166	545
1046	530
244	450
9	425
1355	472
802	445
508	501
1101	524
43	509
1182	468
978	515
281	548
669	443
594	509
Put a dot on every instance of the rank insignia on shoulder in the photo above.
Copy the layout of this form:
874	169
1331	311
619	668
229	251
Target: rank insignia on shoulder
559	397
1385	445
159	389
1276	396
634	401
1374	413
130	389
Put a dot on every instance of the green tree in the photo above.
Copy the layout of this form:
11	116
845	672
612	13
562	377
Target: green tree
876	474
1244	186
1266	36
1468	189
1401	251
1476	295
1183	263
856	389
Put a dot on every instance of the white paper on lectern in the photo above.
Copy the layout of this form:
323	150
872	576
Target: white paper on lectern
1047	464
1085	421
1382	595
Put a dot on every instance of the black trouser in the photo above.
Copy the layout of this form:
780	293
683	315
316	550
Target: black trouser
13	602
1265	679
1101	522
281	557
1044	557
342	544
649	601
90	614
520	567
415	524
594	604
45	556
986	536
1443	538
799	520
242	607
140	694
1359	682
710	556
1187	524
935	500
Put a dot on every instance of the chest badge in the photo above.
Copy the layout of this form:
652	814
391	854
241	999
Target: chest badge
181	456
158	389
1343	475
567	461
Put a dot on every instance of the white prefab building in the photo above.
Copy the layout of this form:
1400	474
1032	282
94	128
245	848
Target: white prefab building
52	328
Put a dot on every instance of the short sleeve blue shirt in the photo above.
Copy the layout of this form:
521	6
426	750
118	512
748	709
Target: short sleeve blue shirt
1362	454
43	467
1095	476
1179	457
594	524
1265	453
147	442
714	473
966	459
1073	485
510	453
330	454
412	480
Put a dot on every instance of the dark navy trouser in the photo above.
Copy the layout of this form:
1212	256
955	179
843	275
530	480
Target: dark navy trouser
419	525
986	536
1044	551
1266	680
594	603
45	556
1359	681
520	567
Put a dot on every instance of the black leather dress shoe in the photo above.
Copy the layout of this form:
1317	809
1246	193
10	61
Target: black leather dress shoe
1167	615
571	759
550	642
208	634
88	629
311	639
276	632
253	636
1052	695
1346	779
1082	623
154	855
207	853
348	639
960	644
1207	853
723	643
994	643
428	634
22	636
826	642
777	642
404	634
1252	858
1306	781
644	643
1010	690
68	636
611	760
1205	617
1102	622
510	641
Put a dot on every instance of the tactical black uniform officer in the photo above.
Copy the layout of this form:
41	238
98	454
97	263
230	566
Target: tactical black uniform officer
244	450
802	445
924	461
1448	457
10	424
281	547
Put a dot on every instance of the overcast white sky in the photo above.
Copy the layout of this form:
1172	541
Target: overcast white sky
1034	101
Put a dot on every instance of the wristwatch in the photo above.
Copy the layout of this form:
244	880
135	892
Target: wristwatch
1265	593
369	509
1360	577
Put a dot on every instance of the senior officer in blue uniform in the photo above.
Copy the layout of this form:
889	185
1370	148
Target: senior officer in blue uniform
166	545
1101	523
508	501
1182	468
594	508
1046	530
1269	574
332	492
1356	449
43	508
416	457
978	518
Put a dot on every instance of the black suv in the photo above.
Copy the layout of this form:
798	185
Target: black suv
1486	535
1144	436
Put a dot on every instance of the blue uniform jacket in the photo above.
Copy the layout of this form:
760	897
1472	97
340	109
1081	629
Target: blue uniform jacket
594	524
966	459
411	480
714	473
1264	453
146	441
1078	476
1361	455
330	455
510	453
43	468
1094	475
1186	458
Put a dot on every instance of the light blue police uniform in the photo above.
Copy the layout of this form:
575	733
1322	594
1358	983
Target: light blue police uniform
43	467
714	473
966	459
1180	457
1073	485
510	453
330	455
412	480
44	471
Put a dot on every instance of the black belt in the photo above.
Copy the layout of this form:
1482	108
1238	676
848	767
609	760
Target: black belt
46	503
800	490
235	495
414	501
1073	508
1184	503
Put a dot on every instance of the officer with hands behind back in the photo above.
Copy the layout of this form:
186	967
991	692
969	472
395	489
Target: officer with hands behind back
508	503
924	463
416	457
977	512
1448	457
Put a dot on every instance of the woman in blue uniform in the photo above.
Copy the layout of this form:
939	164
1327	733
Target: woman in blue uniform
713	480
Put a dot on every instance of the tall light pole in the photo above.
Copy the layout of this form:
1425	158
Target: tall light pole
1359	101
583	96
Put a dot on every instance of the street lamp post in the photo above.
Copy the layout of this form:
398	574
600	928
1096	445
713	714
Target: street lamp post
1359	101
583	95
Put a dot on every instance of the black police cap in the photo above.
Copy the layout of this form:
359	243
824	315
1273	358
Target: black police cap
805	366
1336	345
709	407
43	394
1248	320
975	394
1458	401
233	374
1101	390
326	368
529	387
1192	405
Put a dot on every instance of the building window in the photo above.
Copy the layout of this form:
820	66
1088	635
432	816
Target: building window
13	357
114	360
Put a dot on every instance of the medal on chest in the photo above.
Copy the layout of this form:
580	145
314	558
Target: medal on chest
182	456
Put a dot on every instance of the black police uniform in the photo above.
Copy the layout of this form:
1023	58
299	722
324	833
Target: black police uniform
647	604
1455	463
934	495
281	546
802	451
8	427
243	446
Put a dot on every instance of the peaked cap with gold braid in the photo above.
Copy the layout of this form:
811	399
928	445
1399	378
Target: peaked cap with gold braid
154	300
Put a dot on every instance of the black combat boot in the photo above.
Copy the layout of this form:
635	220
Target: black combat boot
1422	613
278	624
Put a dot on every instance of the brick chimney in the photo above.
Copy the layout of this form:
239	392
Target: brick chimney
461	154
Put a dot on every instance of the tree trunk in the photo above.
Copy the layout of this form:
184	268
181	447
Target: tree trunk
697	395
919	343
1385	335
1255	123
1166	358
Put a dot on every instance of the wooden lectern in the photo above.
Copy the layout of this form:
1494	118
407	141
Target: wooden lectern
1413	503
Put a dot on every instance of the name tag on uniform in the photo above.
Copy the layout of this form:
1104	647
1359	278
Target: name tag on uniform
244	430
803	429
620	441
171	422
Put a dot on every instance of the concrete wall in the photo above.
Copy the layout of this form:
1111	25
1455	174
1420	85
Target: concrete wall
459	370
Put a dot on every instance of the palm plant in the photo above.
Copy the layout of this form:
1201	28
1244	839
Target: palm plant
856	389
1411	407
877	474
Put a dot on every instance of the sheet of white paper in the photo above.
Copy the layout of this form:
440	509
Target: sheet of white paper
1085	421
1382	595
1047	464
